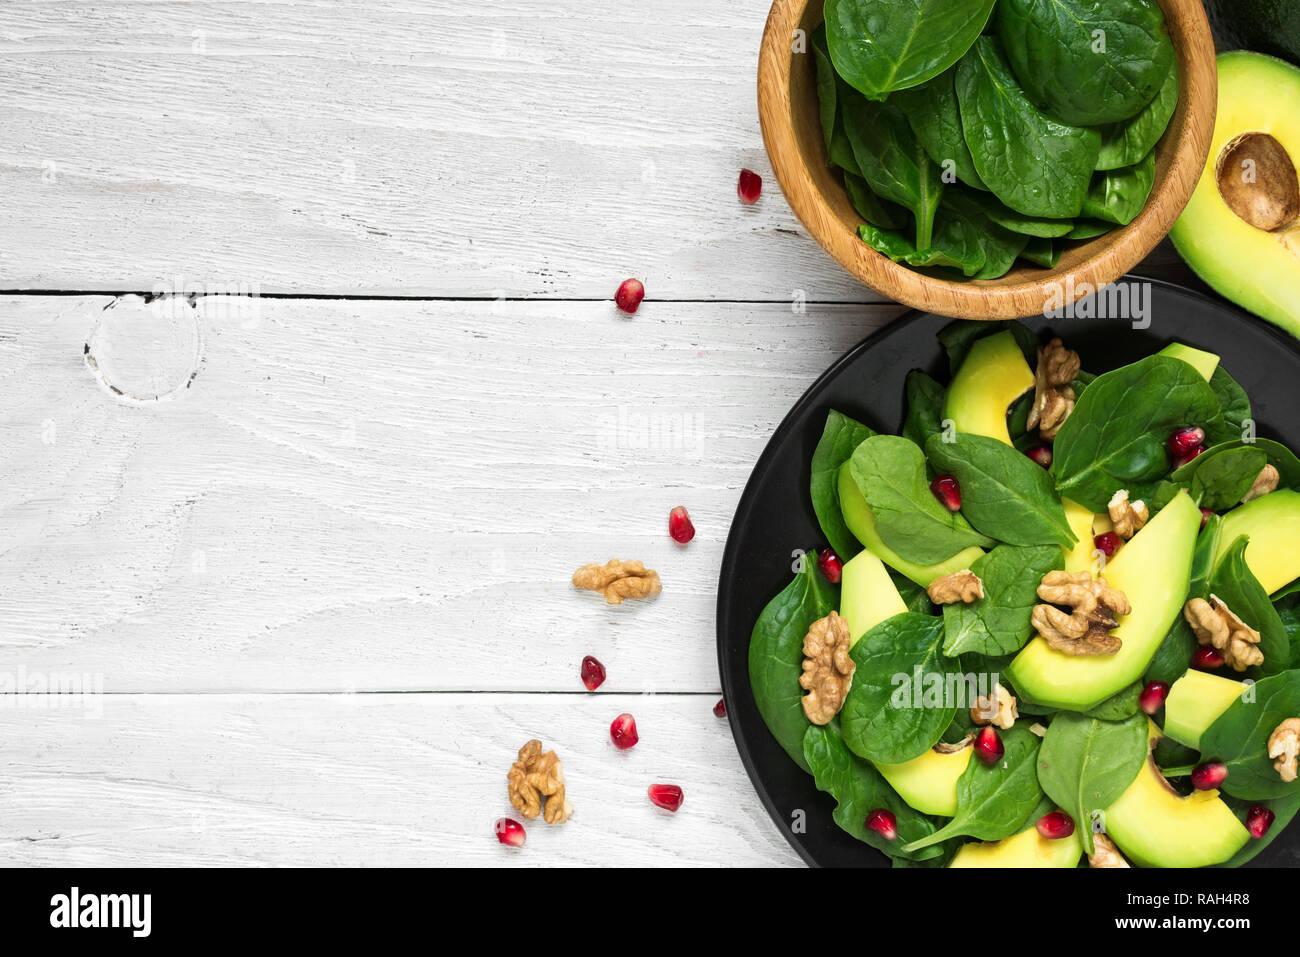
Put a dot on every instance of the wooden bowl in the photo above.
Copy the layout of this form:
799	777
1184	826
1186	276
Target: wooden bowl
787	107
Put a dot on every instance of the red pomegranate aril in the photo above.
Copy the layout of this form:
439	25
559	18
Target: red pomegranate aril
1153	697
829	564
948	492
622	731
1210	775
1194	453
1183	442
667	796
720	709
1207	659
629	295
680	526
510	832
883	823
593	673
1258	820
1206	515
988	745
1056	825
1107	543
749	187
1042	454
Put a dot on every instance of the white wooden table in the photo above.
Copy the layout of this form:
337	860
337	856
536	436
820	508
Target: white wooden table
314	547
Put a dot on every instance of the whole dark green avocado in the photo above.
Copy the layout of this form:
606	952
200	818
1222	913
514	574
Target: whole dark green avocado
1265	26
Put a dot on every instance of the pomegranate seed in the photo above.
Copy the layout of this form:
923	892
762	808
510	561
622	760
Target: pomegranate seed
1042	454
629	295
1184	441
680	526
720	709
1206	515
510	832
667	796
1207	659
593	673
1107	543
1208	776
622	731
988	745
1153	697
829	564
1180	462
1056	825
1259	820
883	823
948	492
749	186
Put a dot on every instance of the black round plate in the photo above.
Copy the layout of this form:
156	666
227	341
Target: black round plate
775	515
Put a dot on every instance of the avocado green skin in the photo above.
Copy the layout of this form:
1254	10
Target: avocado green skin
1265	26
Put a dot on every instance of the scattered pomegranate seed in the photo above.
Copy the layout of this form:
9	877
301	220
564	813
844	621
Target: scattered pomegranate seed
720	709
1206	515
883	823
510	832
1180	462
1042	454
829	564
622	731
1107	543
667	796
1207	776
593	673
1056	825
1207	659
749	187
629	295
680	526
1153	697
1259	820
988	745
948	492
1184	441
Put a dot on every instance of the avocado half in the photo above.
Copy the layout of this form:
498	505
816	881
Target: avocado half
1241	230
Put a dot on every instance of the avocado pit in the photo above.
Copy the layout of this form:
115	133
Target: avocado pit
1257	180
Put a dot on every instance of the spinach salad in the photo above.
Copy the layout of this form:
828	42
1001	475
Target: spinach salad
975	134
1057	619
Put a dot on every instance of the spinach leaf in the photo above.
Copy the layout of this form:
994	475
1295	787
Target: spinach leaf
840	437
1117	196
993	802
1224	478
890	472
1115	437
924	407
1288	610
1031	162
1284	808
858	790
776	655
1043	252
1123	144
1174	656
870	207
1088	229
895	708
1233	402
1122	704
1275	454
914	596
958	337
1008	218
1001	246
1241	591
1087	63
998	623
893	163
880	46
932	110
1004	492
1085	764
826	104
1239	738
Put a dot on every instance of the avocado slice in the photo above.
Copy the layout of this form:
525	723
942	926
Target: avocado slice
1194	702
929	782
867	595
1272	524
1203	362
858	517
1081	521
1152	570
1026	849
993	375
1240	232
1155	826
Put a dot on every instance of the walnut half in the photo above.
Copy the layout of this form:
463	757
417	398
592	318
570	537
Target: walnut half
618	580
535	776
1128	517
1053	397
963	586
1216	626
1001	711
827	668
1094	605
1284	744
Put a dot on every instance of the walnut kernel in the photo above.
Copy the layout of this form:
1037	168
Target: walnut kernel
1218	627
1105	853
1128	517
827	668
1053	397
1284	744
618	580
1086	629
534	776
964	586
1001	711
1266	481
